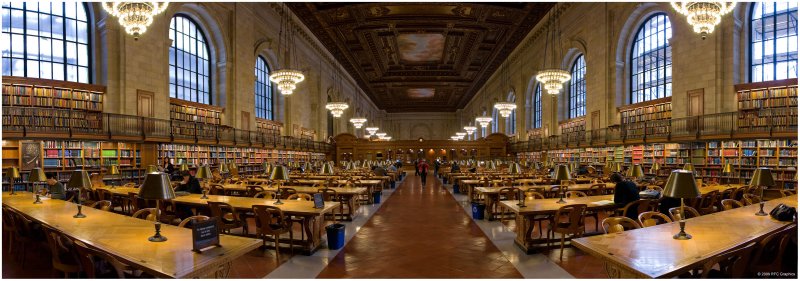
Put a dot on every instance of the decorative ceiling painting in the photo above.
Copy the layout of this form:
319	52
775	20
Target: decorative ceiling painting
420	47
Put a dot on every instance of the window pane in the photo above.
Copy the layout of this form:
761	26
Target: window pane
773	29
186	71
651	65
577	88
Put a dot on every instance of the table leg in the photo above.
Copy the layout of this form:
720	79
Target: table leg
489	202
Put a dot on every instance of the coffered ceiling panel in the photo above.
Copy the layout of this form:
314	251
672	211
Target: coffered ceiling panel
420	56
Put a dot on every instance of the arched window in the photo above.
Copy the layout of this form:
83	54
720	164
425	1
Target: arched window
773	41
495	123
46	40
511	121
651	60
577	88
536	107
330	120
189	62
263	90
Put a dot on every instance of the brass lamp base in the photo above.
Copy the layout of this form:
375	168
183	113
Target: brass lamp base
38	200
682	235
79	215
761	209
157	237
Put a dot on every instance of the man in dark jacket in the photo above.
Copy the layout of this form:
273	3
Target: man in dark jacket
55	188
422	169
624	193
189	184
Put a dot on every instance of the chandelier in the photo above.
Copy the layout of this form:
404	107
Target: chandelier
385	138
380	135
470	129
505	108
460	137
287	80
461	134
372	130
287	77
358	122
336	108
703	16
483	120
135	16
455	138
552	76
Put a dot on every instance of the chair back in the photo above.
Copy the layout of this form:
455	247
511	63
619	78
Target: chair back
60	246
732	264
574	194
508	193
574	214
675	213
648	219
641	206
531	193
750	199
708	201
103	194
286	191
270	220
252	190
104	205
89	258
216	189
266	194
596	189
619	224
728	204
222	211
193	219
146	214
300	196
738	193
328	194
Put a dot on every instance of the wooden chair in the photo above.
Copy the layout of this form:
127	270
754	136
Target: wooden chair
286	191
227	217
216	189
737	193
708	203
532	194
619	224
192	219
267	194
300	196
654	187
9	228
505	193
637	207
146	214
252	190
675	213
750	199
648	219
104	205
727	193
61	252
596	189
786	192
768	253
574	225
574	194
729	204
331	195
25	236
271	221
90	258
731	264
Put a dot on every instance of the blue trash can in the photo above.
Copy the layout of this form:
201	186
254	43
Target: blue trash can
335	236
376	197
455	189
444	180
393	185
477	210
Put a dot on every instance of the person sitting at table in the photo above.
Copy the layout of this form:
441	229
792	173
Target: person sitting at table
455	168
189	184
625	192
392	168
167	166
55	188
379	171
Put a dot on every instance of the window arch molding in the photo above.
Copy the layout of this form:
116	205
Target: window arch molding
278	100
627	36
215	39
575	49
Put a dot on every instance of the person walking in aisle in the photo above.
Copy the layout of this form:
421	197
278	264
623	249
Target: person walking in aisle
416	164
436	165
422	169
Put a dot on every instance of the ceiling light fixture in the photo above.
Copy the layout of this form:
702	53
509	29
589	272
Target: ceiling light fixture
372	130
287	77
380	134
505	108
551	76
336	108
470	129
358	122
135	17
483	120
703	16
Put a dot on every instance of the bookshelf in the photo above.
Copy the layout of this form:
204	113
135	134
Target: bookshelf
269	127
649	118
575	126
80	104
190	114
247	159
766	105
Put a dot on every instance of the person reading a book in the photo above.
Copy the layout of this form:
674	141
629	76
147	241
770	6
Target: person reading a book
625	192
55	188
189	184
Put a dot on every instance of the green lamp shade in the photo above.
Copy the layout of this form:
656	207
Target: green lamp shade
728	168
514	168
279	173
203	172
617	167
688	167
13	172
562	173
79	179
37	175
655	168
637	171
156	186
223	168
151	169
267	167
327	169
491	165
184	167
762	177
365	164
681	184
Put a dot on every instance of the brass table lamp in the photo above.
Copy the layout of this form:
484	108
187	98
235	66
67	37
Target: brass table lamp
762	177
12	174
80	180
156	187
151	169
183	167
203	172
37	176
728	171
681	184
279	174
114	171
636	172
327	169
563	177
654	169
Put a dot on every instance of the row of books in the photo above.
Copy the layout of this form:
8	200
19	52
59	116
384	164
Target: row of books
36	96
194	114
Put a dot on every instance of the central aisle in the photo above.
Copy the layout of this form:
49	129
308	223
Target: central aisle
420	233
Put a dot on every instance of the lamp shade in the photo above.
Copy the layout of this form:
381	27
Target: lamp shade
327	169
267	167
762	177
537	165
365	164
184	167
562	173
113	170
37	175
728	168
12	172
491	165
304	167
637	171
514	168
223	168
151	169
617	167
79	179
279	173
203	172
654	169
681	184
688	167
156	186
573	167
